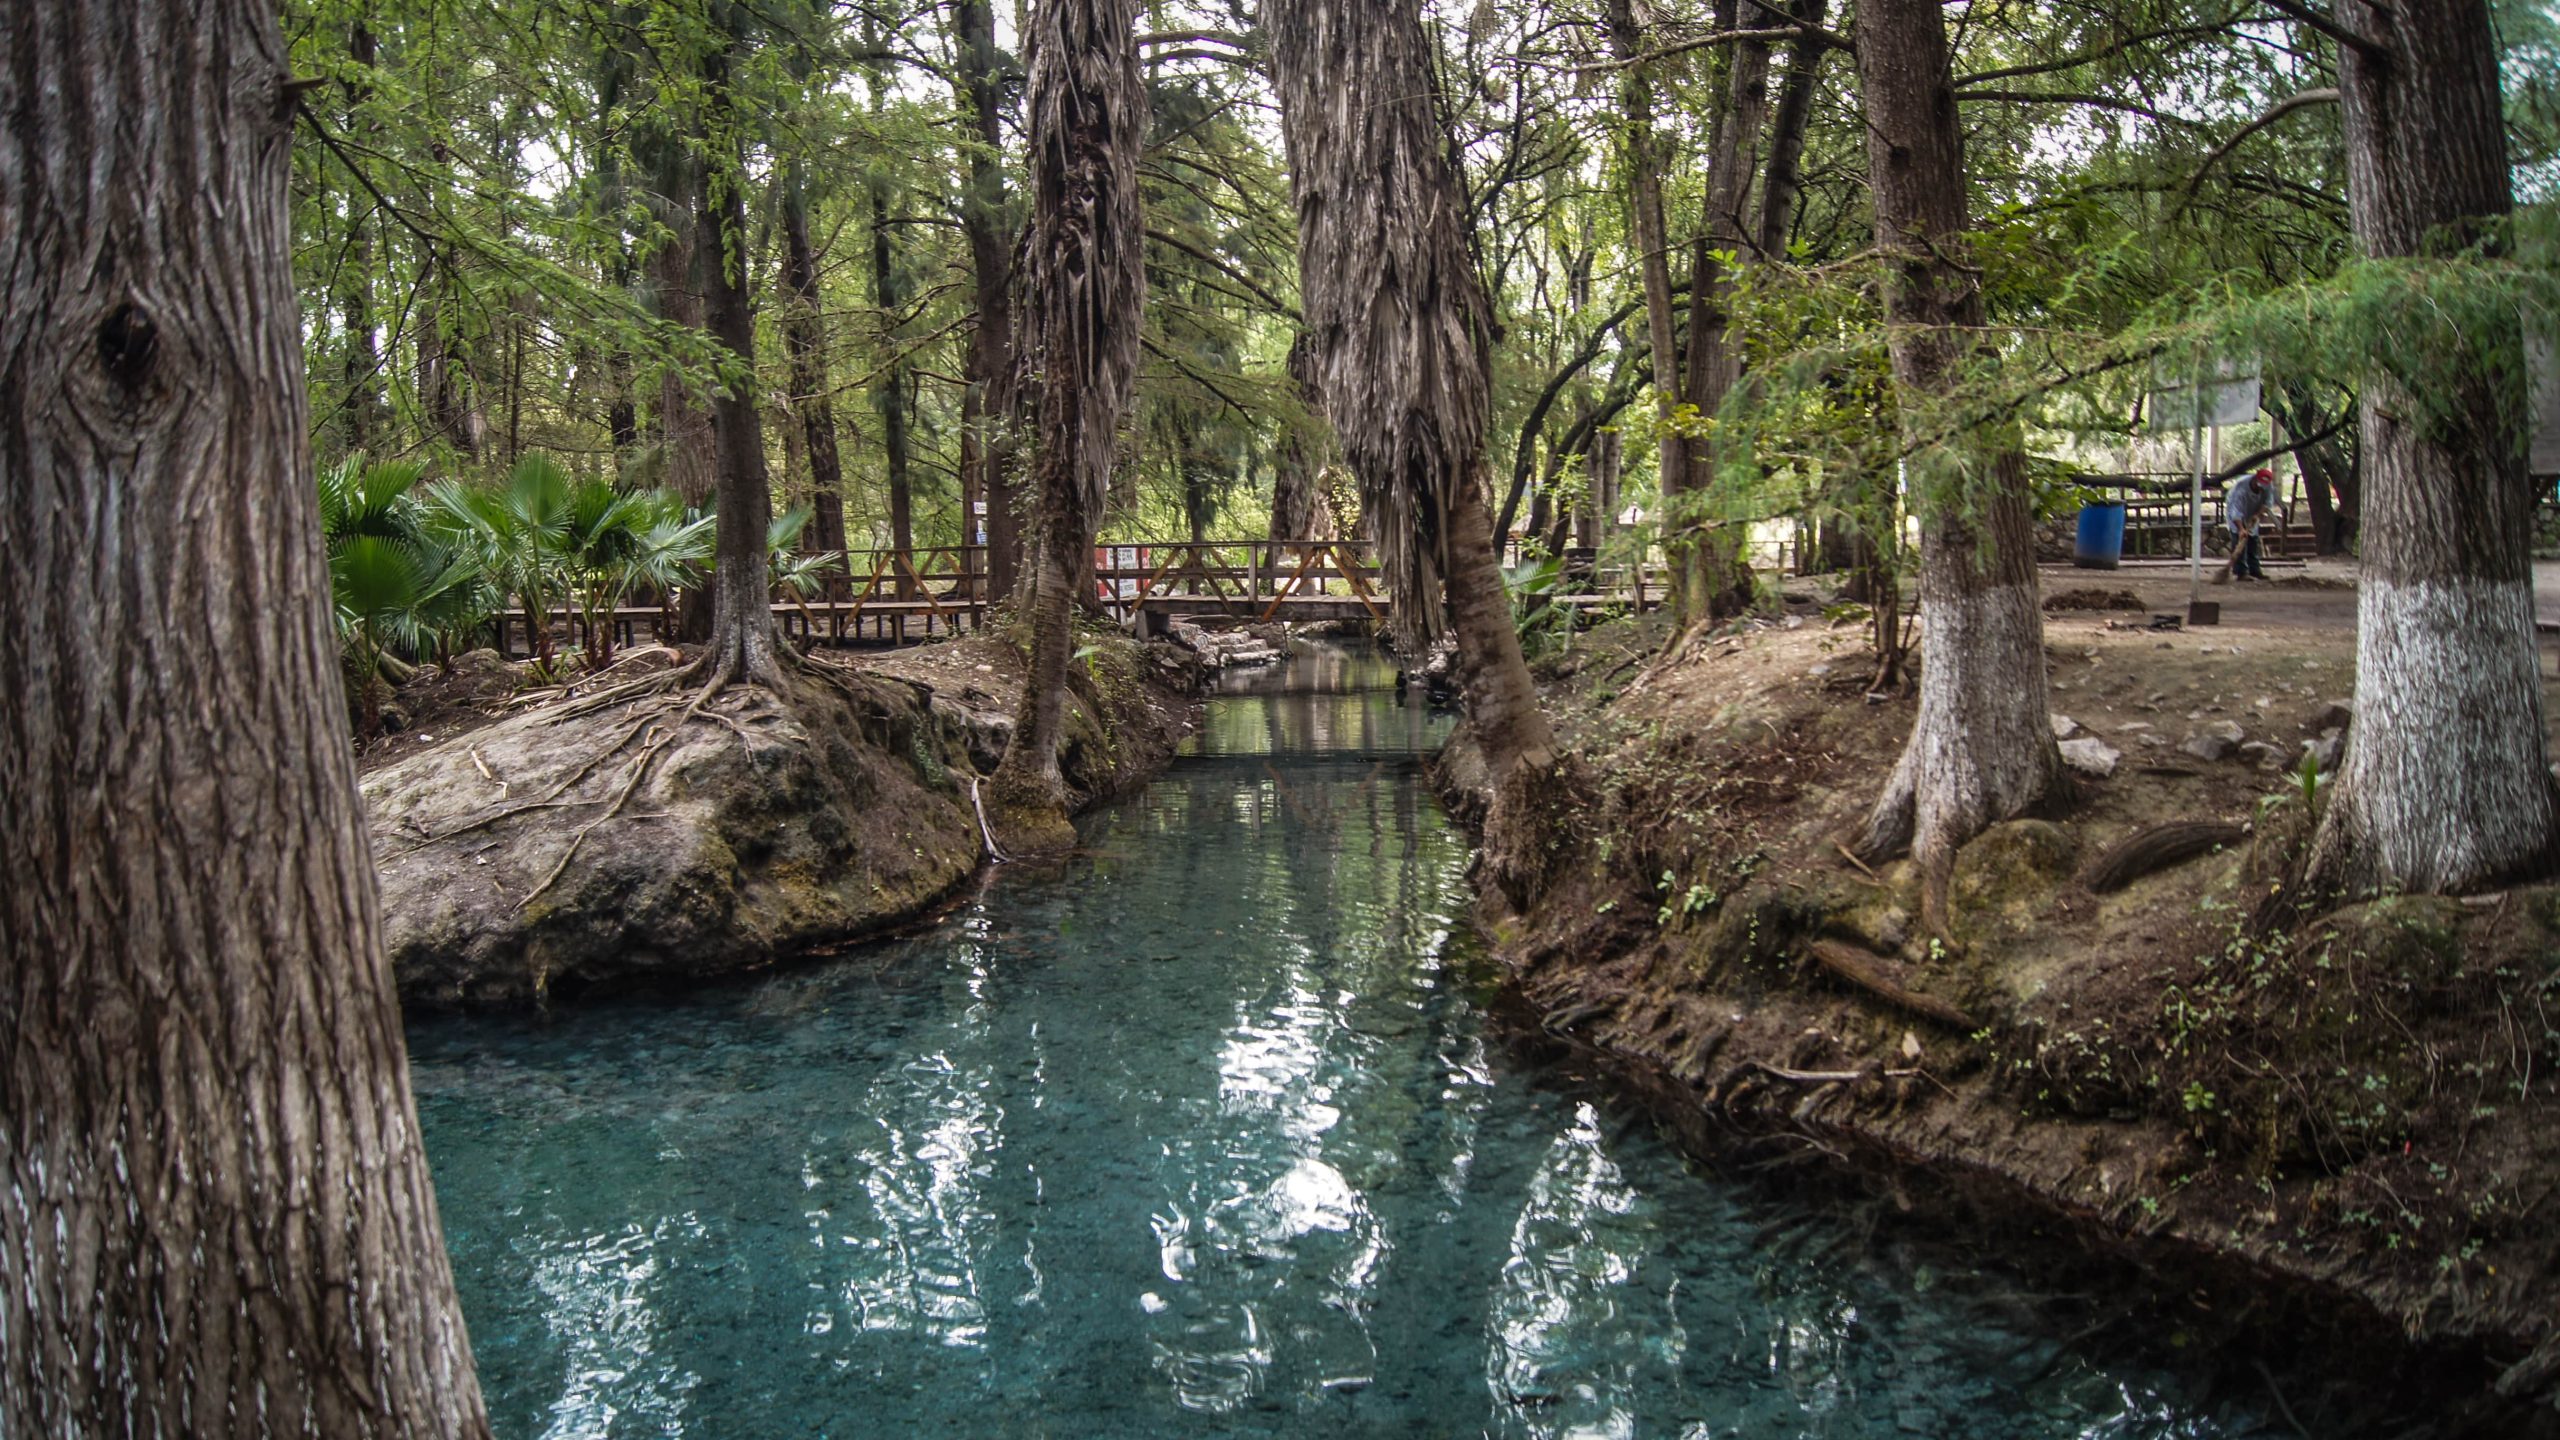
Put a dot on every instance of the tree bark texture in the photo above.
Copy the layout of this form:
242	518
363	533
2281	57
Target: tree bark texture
2444	786
676	279
889	390
1981	747
1787	128
1399	330
1645	220
1712	570
743	646
365	417
986	421
805	337
1087	292
215	1218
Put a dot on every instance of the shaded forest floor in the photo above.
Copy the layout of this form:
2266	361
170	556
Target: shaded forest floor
2343	1137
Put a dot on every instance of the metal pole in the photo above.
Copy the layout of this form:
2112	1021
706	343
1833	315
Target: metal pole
2195	507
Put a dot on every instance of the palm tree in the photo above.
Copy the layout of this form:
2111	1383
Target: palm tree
618	541
397	587
518	530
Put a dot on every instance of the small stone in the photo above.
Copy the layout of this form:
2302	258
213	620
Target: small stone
2064	727
1910	1046
2133	725
1818	671
2326	751
2206	745
2155	742
2091	756
1893	928
2228	729
2267	757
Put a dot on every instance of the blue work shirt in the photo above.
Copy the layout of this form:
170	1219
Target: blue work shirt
2248	500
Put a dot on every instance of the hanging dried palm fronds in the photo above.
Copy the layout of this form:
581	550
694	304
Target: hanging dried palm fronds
1085	285
1397	323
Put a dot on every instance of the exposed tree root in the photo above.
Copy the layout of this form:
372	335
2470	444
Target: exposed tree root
549	799
2157	848
650	750
1871	973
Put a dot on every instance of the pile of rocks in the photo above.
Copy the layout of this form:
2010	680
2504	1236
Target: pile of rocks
1224	649
2226	740
2221	740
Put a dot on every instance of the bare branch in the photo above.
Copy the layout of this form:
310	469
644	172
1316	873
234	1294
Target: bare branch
2282	108
2100	102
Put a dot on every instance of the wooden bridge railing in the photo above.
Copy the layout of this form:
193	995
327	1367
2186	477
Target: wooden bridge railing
893	597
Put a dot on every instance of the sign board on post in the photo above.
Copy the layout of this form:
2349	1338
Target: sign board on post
2227	393
2208	396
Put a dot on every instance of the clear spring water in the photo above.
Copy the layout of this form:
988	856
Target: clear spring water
1199	1133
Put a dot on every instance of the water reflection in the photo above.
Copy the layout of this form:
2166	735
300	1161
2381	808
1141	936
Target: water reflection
1196	1134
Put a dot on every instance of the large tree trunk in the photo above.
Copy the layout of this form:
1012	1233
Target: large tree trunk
805	337
676	281
889	388
1294	502
1399	329
743	647
1711	570
1087	292
2444	785
1787	133
366	418
1645	164
215	1218
616	64
1981	747
986	418
448	390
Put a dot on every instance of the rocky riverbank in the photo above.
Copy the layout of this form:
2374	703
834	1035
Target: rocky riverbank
2346	1137
534	845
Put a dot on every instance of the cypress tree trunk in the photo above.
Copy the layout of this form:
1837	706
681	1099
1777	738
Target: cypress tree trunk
1981	747
1400	330
1787	129
805	337
889	391
987	403
1294	503
690	449
1087	289
215	1219
1714	580
743	646
2444	785
1645	221
366	416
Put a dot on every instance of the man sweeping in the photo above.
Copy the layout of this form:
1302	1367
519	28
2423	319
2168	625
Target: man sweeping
2246	509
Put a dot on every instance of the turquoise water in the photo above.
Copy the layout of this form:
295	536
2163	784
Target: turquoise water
1200	1133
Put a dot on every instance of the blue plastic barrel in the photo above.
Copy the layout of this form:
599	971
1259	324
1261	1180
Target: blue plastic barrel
2100	544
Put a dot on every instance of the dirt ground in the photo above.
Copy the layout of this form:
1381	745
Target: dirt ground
2350	1131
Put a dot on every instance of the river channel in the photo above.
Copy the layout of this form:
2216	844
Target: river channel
1204	1131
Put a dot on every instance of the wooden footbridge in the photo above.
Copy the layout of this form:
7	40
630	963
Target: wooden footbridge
905	597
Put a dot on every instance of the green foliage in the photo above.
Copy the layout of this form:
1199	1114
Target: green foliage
1540	623
398	585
